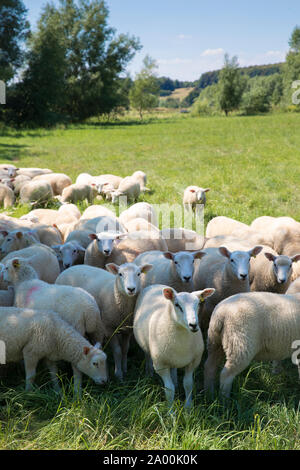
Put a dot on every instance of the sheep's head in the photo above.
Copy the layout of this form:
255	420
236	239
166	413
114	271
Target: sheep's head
128	276
183	263
106	240
240	260
69	253
94	364
282	266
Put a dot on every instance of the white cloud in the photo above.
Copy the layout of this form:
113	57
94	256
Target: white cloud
212	52
184	36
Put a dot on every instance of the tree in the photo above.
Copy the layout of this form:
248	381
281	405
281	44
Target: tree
144	93
14	29
291	71
230	85
294	41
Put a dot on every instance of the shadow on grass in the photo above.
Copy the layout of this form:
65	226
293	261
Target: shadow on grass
11	152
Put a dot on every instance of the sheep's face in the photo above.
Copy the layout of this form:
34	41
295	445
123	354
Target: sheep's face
186	306
183	263
240	261
128	277
69	253
11	242
282	266
94	364
106	241
11	270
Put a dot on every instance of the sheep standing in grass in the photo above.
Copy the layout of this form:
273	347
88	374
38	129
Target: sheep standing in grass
227	272
260	326
36	192
194	195
166	328
141	178
78	192
7	196
128	188
33	335
115	293
58	181
171	269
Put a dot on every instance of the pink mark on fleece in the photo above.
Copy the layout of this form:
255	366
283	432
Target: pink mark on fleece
30	292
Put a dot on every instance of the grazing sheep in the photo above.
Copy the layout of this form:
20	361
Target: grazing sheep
181	239
227	272
115	293
171	269
33	335
7	196
78	192
85	178
140	209
73	304
260	326
128	187
223	226
111	179
166	328
141	178
58	181
36	192
194	195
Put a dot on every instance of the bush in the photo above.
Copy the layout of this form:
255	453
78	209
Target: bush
256	100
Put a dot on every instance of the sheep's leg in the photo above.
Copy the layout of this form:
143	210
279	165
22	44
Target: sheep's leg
148	365
188	382
125	343
174	377
215	358
117	353
53	374
77	376
165	375
30	364
229	372
276	367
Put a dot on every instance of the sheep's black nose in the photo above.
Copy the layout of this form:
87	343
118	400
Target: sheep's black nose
131	289
106	252
187	278
243	276
193	326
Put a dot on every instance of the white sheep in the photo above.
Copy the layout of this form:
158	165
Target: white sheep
32	172
115	293
294	287
36	192
260	326
222	225
181	239
139	223
140	209
171	269
16	240
72	251
97	210
128	188
227	272
194	195
101	247
166	328
18	182
58	181
32	335
7	196
141	178
78	192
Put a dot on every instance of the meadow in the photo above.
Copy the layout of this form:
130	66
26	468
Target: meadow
251	165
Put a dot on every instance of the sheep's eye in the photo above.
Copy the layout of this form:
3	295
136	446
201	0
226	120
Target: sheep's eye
179	306
120	274
175	262
232	260
139	274
95	364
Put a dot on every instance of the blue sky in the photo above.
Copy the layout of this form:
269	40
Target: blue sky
190	37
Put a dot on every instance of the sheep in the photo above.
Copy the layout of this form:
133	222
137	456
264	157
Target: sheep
194	195
166	328
140	209
227	272
100	224
259	326
172	269
42	258
254	237
32	172
7	296
128	188
78	192
16	240
115	293
36	192
7	197
72	251
223	226
141	178
73	304
101	247
232	243
97	211
271	272
58	181
33	335
285	232
294	287
85	178
139	223
111	179
181	239
18	182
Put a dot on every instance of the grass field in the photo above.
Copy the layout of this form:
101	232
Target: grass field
252	167
178	93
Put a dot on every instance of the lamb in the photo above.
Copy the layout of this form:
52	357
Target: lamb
227	272
115	293
58	181
7	196
73	304
260	326
166	328
78	192
223	226
36	192
172	269
194	195
128	188
141	178
33	335
181	239
140	209
271	272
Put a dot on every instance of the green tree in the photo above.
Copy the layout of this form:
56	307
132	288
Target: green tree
14	29
294	41
291	71
231	85
144	93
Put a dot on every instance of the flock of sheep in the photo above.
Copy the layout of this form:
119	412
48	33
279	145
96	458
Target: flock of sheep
75	283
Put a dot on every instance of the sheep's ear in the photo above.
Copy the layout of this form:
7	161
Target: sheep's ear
16	263
224	251
206	190
98	345
168	255
270	257
93	236
112	268
203	294
19	235
86	350
255	251
146	267
199	254
169	293
295	258
192	191
80	248
56	248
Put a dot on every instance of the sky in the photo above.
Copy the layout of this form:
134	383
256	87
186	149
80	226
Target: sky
188	38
